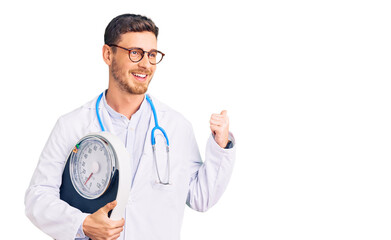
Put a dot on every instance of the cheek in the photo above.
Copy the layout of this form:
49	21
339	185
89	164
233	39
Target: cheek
153	69
120	67
127	69
152	74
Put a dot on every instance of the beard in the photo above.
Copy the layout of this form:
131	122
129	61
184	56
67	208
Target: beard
125	85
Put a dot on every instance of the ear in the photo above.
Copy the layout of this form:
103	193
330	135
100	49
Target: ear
107	54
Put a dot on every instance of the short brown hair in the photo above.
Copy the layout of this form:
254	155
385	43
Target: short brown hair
128	23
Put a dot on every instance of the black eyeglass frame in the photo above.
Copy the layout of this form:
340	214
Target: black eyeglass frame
130	49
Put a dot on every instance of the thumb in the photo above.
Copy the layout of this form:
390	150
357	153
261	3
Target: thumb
224	113
110	206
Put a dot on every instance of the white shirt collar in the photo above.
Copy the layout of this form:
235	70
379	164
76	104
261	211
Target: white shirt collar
116	115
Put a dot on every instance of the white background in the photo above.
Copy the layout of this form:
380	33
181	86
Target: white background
306	85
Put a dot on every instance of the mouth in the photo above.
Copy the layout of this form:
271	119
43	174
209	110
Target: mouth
140	77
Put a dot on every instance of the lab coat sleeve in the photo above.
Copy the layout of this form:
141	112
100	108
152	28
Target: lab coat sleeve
209	178
42	203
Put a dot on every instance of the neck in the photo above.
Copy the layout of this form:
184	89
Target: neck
125	103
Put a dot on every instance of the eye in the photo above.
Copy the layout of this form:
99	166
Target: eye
134	52
152	54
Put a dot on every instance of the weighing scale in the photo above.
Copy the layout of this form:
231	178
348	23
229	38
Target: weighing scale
97	172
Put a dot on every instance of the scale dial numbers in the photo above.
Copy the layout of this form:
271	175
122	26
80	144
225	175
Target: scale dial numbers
92	166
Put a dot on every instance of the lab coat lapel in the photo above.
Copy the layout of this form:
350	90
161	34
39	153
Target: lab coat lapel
141	144
145	172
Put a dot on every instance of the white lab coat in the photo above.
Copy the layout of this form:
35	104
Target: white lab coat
154	211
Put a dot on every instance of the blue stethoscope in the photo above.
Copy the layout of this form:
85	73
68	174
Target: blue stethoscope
153	141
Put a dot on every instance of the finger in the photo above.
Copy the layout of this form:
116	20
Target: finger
215	129
217	119
220	116
222	121
116	231
115	237
111	233
216	122
117	224
223	114
216	115
110	206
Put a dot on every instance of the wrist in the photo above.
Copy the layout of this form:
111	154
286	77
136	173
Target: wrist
222	142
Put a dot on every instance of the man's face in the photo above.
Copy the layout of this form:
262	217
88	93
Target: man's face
131	77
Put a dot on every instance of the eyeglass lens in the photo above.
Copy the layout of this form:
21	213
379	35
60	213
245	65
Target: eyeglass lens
153	56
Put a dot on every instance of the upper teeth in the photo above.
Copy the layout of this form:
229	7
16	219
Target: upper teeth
140	75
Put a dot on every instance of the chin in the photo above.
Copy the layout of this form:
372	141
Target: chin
138	90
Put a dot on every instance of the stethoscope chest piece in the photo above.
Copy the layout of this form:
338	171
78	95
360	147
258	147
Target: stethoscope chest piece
97	172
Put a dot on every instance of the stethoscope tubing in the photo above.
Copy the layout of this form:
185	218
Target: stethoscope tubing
157	127
97	112
153	141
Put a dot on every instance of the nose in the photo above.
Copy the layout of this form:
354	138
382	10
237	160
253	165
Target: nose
144	62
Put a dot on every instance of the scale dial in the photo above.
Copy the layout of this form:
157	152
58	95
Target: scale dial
92	166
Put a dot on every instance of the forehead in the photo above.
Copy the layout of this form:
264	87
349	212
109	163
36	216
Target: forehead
144	40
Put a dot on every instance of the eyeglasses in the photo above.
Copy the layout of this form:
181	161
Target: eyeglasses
136	54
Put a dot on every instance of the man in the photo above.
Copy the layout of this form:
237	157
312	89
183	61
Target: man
154	211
